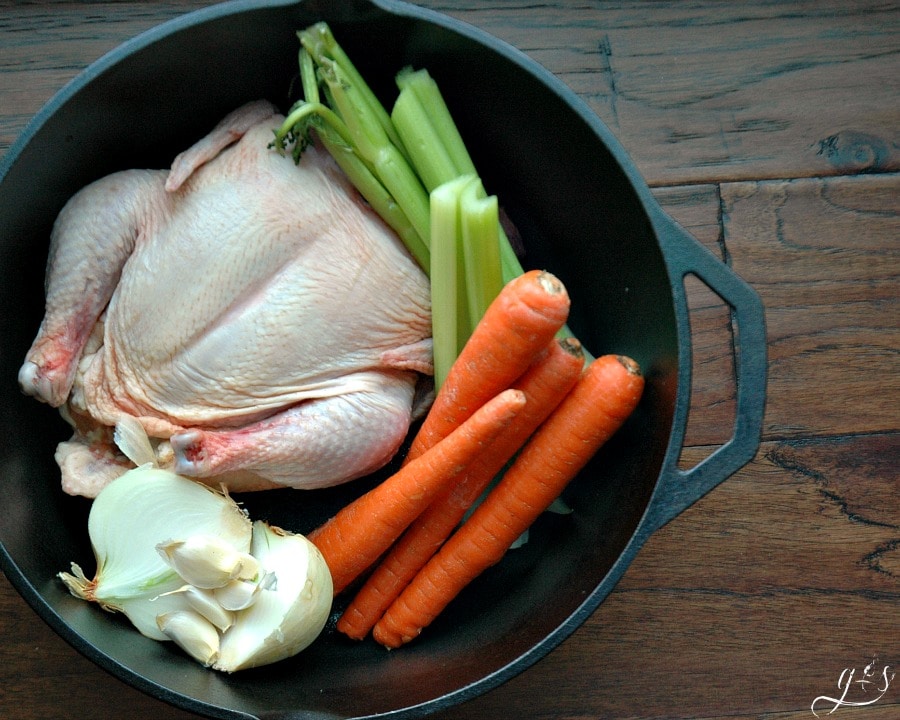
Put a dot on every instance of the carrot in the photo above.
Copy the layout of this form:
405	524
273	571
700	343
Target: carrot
545	383
360	532
517	325
596	407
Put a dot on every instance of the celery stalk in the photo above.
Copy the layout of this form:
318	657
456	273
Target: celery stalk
356	129
423	144
465	265
321	44
426	90
403	184
480	230
308	79
445	290
367	133
444	135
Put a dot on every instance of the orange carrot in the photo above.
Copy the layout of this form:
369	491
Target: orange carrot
360	532
597	406
517	325
545	384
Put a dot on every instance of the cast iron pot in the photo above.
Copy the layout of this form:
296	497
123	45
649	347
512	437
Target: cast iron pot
584	212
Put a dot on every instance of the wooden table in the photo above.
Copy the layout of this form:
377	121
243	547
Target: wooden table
771	131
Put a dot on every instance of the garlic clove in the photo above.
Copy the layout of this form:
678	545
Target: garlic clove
193	633
205	603
288	616
250	570
238	594
142	610
206	561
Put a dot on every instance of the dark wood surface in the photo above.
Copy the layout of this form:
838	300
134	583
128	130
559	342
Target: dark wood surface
772	132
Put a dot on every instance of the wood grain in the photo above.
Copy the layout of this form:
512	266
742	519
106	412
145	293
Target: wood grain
824	255
770	131
699	91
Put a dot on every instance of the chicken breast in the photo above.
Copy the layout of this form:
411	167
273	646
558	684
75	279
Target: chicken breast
256	317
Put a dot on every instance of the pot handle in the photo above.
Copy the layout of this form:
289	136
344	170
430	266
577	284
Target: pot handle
679	489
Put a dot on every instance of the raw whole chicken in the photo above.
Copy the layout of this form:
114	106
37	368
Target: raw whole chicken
255	316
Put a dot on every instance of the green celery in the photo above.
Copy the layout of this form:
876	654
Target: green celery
430	98
404	185
321	44
423	144
480	230
426	91
308	79
438	153
443	134
464	324
355	128
367	133
447	299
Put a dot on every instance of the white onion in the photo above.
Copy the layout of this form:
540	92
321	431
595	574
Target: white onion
129	518
184	563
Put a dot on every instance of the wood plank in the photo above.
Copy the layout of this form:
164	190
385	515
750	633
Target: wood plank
832	307
832	304
824	256
698	92
825	493
695	92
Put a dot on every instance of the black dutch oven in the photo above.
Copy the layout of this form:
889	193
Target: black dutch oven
584	212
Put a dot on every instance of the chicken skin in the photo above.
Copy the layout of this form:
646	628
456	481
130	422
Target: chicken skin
254	315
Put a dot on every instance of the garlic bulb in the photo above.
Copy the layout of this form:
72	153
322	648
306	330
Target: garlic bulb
184	563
